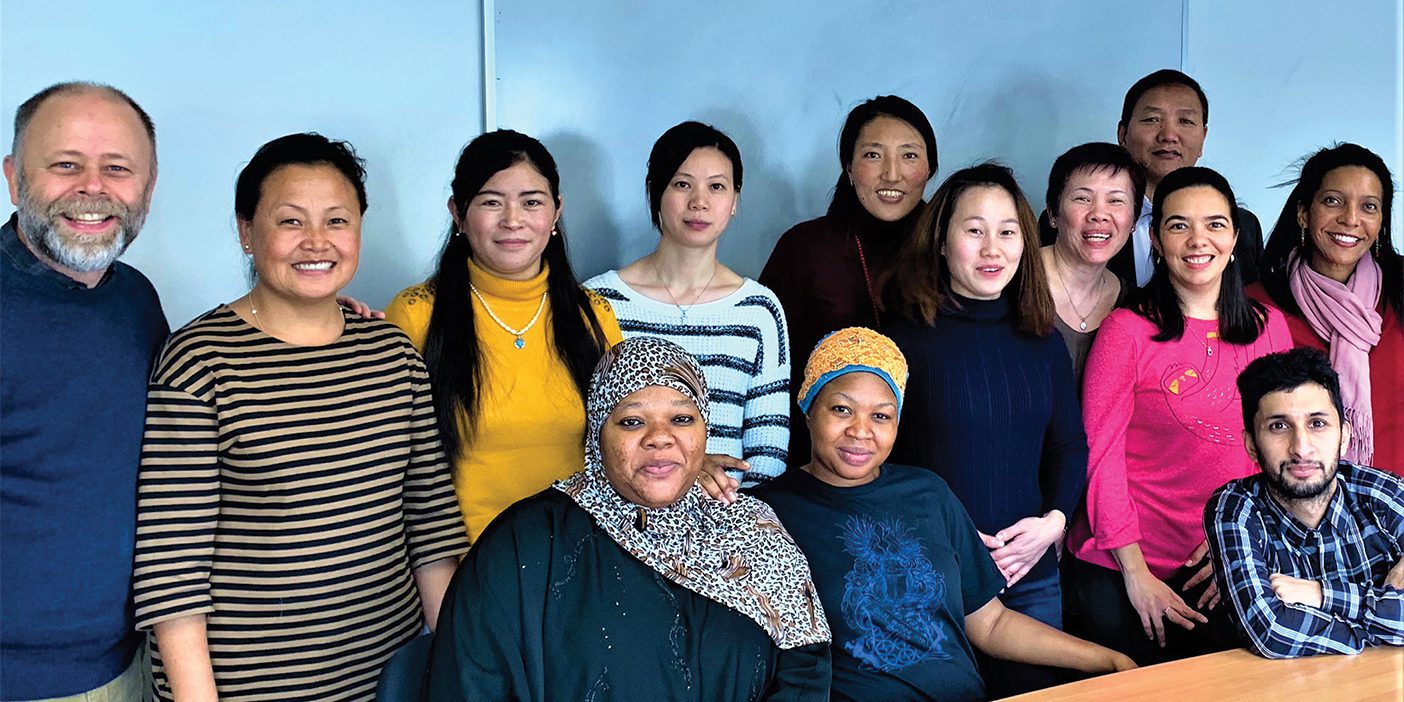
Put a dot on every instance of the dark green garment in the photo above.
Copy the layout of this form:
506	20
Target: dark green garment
546	606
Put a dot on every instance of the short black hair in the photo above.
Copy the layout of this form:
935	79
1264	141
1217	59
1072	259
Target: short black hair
1094	156
674	147
1284	371
308	148
1160	78
25	114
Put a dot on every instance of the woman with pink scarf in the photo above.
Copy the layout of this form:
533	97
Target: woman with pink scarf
1333	270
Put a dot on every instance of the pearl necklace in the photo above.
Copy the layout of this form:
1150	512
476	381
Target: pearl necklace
520	342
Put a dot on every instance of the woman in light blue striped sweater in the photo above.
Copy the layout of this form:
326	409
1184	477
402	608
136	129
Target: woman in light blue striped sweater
734	326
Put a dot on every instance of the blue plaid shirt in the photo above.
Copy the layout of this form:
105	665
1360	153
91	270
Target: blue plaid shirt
1356	544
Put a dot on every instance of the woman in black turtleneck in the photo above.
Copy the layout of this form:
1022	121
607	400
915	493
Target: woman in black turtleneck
825	271
991	405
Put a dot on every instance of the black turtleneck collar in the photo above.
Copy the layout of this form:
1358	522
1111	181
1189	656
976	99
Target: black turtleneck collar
881	235
961	307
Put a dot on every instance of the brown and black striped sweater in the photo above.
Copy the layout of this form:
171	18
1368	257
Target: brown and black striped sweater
287	493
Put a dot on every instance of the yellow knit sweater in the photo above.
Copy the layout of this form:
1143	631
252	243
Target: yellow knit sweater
530	426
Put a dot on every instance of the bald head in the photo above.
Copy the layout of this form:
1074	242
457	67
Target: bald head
26	112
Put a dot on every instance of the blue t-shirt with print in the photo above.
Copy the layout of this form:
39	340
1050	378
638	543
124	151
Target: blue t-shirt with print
899	565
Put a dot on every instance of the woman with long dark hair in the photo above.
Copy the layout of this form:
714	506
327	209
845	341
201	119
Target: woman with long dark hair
1165	430
991	405
1333	271
509	336
826	270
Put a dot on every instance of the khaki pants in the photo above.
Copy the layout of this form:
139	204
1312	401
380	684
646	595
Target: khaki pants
130	686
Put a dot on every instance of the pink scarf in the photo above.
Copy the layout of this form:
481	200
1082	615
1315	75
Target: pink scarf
1345	316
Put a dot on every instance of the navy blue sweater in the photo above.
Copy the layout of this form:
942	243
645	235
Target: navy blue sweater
74	364
994	412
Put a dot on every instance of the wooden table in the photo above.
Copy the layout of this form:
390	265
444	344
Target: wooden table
1377	675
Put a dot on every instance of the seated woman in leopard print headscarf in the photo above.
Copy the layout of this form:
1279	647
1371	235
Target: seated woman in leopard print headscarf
625	581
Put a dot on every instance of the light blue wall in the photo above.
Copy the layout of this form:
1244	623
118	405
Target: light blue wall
401	81
1286	82
1009	79
598	81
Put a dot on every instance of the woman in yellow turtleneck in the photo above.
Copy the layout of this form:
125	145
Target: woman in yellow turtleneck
511	357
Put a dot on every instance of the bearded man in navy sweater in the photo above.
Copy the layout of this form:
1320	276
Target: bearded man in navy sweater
80	331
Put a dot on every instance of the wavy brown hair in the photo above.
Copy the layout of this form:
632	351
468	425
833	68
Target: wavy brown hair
919	283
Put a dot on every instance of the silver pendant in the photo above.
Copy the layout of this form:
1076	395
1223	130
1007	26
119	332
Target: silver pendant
1208	351
1082	326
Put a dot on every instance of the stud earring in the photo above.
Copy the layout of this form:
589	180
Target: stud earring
554	231
248	249
1230	258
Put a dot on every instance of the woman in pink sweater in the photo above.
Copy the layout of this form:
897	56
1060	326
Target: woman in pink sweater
1164	430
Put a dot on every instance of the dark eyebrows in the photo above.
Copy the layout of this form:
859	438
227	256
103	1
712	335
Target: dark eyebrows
498	193
853	401
908	145
685	174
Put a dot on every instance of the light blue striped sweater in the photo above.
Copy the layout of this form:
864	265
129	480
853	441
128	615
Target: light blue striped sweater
743	346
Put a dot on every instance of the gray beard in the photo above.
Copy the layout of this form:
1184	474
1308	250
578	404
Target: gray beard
41	230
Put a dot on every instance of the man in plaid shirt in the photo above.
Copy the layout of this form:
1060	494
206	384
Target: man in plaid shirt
1309	553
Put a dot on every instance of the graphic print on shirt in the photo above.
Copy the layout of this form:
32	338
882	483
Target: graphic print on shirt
1191	394
892	596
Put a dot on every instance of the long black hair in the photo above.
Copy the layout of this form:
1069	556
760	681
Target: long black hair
451	349
1241	319
1287	235
845	204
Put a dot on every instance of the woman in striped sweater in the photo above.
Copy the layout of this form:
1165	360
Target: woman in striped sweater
734	326
296	521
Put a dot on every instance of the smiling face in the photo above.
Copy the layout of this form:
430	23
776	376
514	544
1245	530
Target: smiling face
305	236
1166	131
1095	214
700	200
653	445
1344	219
889	168
509	221
852	426
1196	237
84	184
984	242
1296	439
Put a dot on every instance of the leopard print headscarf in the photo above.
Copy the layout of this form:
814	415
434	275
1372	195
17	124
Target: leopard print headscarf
737	555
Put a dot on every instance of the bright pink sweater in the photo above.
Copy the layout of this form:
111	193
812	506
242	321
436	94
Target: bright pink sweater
1164	430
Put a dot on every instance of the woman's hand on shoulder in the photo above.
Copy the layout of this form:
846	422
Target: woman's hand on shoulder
714	480
360	308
